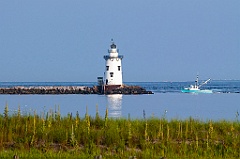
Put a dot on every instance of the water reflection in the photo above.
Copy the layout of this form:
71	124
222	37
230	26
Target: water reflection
114	102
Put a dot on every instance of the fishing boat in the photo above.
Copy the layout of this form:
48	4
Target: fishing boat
196	88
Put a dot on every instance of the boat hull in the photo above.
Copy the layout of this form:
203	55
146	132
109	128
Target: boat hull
196	91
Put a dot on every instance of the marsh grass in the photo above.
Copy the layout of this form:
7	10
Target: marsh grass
52	135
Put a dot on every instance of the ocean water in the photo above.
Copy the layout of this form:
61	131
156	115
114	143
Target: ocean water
167	101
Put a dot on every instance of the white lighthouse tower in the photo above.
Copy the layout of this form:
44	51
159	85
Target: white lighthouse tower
113	68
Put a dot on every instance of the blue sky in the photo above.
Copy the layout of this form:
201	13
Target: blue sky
161	40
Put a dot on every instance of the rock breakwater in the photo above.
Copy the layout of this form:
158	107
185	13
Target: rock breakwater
48	90
129	90
72	90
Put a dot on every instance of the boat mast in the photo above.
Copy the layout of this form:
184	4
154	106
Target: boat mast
196	82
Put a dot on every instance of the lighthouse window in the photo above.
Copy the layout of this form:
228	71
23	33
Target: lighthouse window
107	68
111	74
119	68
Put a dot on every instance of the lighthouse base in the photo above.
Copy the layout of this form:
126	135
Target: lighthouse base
124	89
109	88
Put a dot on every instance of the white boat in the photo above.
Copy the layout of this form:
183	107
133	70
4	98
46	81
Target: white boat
196	88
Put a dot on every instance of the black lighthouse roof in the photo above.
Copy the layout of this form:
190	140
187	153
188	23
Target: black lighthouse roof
113	46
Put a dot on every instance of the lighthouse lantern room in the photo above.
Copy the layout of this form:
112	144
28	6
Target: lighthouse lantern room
113	68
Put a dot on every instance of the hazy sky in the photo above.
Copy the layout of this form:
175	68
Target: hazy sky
161	40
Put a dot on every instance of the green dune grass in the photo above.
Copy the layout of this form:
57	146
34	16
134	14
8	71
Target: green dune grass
51	135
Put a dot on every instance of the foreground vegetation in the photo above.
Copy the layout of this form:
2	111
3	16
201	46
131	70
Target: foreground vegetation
52	135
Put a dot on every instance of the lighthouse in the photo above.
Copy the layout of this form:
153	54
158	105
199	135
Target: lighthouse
113	68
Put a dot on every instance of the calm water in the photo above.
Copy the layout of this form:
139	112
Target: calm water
167	101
